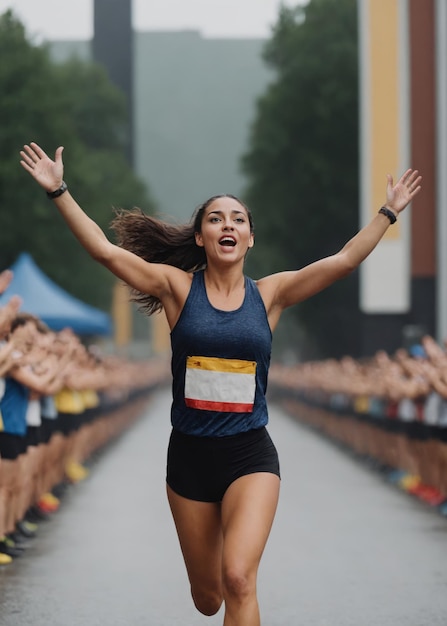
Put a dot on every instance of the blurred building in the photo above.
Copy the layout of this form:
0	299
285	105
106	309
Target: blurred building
112	47
403	77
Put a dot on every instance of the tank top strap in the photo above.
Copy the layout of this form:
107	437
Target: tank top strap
197	293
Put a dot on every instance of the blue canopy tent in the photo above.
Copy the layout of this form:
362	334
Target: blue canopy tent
54	306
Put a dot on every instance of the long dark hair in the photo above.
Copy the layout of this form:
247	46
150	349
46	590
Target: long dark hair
157	241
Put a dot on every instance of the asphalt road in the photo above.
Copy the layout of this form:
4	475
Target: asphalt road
346	548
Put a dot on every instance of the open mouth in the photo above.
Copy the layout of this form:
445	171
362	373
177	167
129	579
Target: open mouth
227	241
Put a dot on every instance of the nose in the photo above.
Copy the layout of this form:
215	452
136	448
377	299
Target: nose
228	224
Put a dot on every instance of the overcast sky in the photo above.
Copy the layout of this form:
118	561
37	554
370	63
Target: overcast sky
73	19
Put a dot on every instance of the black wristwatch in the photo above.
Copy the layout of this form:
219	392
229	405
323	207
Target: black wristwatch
390	215
57	192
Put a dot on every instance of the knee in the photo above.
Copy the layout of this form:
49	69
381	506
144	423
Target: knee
238	584
207	602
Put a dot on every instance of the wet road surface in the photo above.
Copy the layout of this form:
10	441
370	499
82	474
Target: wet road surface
346	548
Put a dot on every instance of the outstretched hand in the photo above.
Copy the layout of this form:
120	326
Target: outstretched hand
5	280
8	313
398	196
45	171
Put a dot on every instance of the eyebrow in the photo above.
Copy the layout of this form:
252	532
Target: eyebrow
234	211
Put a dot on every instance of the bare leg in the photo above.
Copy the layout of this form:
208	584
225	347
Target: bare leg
248	510
222	545
199	530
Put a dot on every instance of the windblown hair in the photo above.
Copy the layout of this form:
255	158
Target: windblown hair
157	241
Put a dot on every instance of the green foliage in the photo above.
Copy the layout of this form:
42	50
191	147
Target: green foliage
302	162
74	105
100	114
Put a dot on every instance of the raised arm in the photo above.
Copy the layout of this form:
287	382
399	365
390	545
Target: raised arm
6	357
5	280
8	313
162	281
11	308
285	289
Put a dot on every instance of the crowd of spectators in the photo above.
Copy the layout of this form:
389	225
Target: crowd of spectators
60	401
389	410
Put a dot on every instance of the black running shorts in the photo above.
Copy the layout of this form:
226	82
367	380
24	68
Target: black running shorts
202	468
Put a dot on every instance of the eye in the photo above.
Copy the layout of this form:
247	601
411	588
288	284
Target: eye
240	220
214	219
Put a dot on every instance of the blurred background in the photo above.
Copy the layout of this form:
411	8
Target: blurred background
300	108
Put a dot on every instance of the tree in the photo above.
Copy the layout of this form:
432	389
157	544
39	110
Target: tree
302	161
75	105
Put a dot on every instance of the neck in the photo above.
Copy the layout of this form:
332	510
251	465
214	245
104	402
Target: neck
224	279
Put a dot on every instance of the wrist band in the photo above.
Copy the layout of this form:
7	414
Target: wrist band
390	215
58	192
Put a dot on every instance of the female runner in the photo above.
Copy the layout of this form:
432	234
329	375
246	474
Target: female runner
222	471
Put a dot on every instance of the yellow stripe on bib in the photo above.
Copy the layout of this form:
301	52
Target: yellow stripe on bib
213	364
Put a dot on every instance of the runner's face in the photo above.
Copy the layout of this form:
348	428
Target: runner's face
225	232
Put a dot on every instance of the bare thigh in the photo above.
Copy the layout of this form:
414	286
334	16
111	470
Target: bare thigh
199	531
248	511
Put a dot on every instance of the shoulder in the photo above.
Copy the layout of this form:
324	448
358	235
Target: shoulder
268	289
173	282
174	298
268	286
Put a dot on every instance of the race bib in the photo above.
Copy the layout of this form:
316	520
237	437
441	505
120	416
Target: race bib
226	385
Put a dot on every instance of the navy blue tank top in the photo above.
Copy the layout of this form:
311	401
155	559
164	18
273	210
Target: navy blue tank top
13	407
220	362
